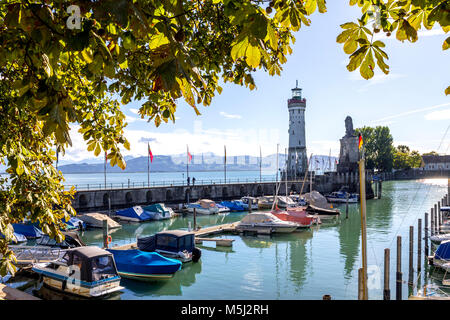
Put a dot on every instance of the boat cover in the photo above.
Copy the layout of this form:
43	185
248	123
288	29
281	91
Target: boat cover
157	207
95	220
232	205
445	209
74	223
17	237
261	217
28	230
443	251
135	212
137	261
169	240
206	203
316	199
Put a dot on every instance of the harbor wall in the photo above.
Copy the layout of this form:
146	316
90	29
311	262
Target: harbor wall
101	199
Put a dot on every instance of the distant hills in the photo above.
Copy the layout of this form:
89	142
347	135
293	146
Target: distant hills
206	162
200	162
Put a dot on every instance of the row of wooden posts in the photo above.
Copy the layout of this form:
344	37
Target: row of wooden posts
436	220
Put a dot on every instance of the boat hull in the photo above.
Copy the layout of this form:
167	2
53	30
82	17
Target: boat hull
276	229
61	282
145	277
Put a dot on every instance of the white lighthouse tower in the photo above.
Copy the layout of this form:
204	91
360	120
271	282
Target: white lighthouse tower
297	159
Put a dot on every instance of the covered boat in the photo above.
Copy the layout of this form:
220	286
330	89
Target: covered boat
178	244
265	220
158	211
341	197
285	202
442	254
134	214
86	271
250	201
203	206
265	202
142	265
75	223
438	238
233	205
296	215
222	209
17	237
28	230
95	220
71	240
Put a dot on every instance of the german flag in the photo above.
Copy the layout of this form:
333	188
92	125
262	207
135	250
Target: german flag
360	141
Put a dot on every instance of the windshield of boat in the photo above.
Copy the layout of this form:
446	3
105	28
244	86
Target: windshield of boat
102	268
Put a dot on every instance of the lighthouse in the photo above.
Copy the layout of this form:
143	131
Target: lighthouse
297	159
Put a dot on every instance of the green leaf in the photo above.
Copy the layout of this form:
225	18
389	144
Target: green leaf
252	56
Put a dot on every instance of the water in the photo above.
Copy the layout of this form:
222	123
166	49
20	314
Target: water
300	265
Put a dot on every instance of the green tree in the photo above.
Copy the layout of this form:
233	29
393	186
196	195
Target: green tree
378	147
404	17
55	74
406	159
431	153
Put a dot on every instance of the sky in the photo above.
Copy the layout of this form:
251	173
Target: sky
410	101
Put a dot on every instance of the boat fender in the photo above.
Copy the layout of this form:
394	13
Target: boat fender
196	254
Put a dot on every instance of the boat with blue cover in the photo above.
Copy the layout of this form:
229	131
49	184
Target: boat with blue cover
158	211
28	230
442	254
85	271
134	214
75	223
142	265
233	205
17	237
222	209
341	197
177	244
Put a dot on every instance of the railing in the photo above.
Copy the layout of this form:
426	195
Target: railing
170	183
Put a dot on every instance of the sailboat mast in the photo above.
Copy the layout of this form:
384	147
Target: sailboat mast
362	192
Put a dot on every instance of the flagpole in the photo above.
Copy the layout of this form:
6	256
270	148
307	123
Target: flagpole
148	164
260	163
225	162
277	160
362	197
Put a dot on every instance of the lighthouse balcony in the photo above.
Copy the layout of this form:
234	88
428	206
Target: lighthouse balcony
296	100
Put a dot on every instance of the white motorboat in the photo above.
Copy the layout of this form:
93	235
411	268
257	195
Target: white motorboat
250	201
85	271
203	206
265	220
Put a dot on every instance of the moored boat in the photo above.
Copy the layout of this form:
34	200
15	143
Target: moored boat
285	202
177	244
86	271
159	211
143	265
95	220
267	221
441	255
203	206
134	214
28	230
222	209
233	205
265	202
296	215
250	201
341	197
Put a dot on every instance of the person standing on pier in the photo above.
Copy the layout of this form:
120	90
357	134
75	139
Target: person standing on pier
193	181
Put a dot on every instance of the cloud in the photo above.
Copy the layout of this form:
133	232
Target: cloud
421	33
376	79
438	115
147	140
230	116
402	114
135	111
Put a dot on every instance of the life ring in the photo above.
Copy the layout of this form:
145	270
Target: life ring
108	239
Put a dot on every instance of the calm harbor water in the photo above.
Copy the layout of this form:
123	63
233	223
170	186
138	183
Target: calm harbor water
301	265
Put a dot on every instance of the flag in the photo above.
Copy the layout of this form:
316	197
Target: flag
189	155
360	141
150	154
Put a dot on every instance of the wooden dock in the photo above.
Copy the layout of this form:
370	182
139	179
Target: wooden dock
8	293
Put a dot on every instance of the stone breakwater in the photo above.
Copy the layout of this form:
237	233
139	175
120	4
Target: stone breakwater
100	199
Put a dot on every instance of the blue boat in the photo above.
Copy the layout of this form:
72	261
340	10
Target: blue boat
18	238
134	214
142	265
28	230
75	223
442	254
233	205
159	211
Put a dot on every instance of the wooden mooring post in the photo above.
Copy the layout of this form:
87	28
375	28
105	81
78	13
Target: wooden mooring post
437	230
411	250
419	246
360	284
380	188
346	206
387	291
250	203
432	222
426	234
439	215
398	288
195	219
105	233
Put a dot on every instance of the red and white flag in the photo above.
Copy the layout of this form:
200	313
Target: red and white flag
150	154
188	154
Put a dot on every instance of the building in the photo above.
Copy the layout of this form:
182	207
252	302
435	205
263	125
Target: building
433	162
297	159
